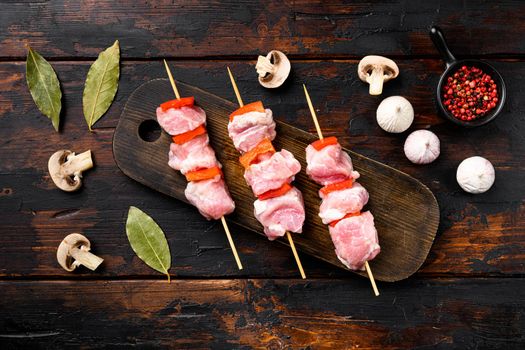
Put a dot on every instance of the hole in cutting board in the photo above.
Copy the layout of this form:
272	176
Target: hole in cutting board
149	130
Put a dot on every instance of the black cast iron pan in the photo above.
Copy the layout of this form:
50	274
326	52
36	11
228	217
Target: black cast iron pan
452	65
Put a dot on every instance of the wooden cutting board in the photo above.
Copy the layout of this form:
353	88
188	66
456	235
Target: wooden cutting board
406	212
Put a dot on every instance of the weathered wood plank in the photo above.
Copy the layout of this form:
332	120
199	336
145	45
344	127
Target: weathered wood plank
251	27
478	234
277	314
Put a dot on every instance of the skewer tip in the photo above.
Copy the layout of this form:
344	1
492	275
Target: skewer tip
230	73
172	82
296	256
312	112
235	88
372	279
232	245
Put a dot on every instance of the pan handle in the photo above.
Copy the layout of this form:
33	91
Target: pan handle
439	41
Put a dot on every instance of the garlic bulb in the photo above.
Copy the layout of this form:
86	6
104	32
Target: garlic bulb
422	147
475	175
395	114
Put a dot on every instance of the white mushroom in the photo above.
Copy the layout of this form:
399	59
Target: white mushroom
422	147
395	114
74	251
375	70
475	175
66	169
273	69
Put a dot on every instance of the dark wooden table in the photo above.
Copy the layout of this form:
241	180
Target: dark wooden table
468	295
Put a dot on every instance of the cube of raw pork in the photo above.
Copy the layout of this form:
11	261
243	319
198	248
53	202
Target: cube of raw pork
177	121
211	197
248	129
337	204
192	155
355	240
272	173
281	214
329	165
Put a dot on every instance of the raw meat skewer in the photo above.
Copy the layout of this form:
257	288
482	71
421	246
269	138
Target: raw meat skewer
223	220
288	235
320	134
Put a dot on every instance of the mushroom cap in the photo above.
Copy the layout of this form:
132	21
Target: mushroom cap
64	257
273	69
395	114
390	68
61	179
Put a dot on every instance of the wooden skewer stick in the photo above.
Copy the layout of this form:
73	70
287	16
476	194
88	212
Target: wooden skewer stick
223	220
320	134
372	279
314	115
175	90
235	88
290	240
232	245
294	251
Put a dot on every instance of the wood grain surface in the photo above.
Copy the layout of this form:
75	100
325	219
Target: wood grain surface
301	28
468	294
478	235
405	211
263	314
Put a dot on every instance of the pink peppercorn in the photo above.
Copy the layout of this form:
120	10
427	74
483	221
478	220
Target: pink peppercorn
469	93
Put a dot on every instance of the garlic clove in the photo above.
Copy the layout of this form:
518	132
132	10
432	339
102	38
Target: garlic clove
422	147
475	175
395	114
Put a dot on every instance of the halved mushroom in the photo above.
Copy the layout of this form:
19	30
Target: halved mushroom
273	69
74	251
66	168
375	70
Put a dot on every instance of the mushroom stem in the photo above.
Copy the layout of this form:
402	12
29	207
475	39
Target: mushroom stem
76	164
273	69
82	256
376	81
264	66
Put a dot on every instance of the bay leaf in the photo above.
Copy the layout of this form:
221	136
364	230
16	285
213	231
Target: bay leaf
101	84
44	86
148	241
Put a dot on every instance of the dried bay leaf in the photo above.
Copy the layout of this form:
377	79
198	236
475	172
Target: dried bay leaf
44	86
148	241
101	84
